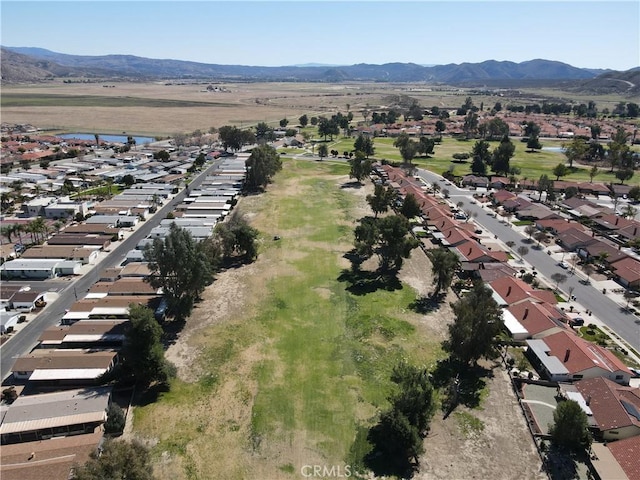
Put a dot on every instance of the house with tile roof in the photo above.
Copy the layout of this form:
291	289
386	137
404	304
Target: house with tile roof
574	238
615	409
565	357
509	291
627	454
472	251
627	272
530	319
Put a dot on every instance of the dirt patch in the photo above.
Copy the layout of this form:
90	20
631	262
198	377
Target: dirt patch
498	446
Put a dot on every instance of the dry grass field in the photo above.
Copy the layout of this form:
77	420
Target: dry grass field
162	109
85	107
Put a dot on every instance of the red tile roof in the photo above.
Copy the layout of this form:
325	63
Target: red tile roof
537	318
605	401
582	355
627	454
514	290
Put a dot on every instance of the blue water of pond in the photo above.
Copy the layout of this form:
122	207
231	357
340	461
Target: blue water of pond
107	138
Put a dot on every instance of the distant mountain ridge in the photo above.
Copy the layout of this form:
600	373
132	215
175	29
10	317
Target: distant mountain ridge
21	64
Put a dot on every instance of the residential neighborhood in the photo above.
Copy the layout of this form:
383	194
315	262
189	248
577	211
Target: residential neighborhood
61	403
77	211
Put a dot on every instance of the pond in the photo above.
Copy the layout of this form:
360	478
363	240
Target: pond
108	138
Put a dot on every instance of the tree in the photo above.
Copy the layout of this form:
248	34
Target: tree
263	163
408	151
237	238
624	174
328	127
118	459
410	207
530	230
629	212
303	120
575	150
283	123
545	184
323	151
426	146
496	128
618	148
360	166
387	237
381	199
560	170
634	193
540	236
115	419
396	444
593	172
444	264
162	155
478	320
233	138
570	427
470	127
571	192
179	267
533	144
397	439
478	166
522	251
143	354
364	144
128	180
440	126
394	242
502	155
558	278
531	129
264	133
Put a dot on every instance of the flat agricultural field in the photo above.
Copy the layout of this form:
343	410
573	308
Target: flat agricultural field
162	109
284	365
166	108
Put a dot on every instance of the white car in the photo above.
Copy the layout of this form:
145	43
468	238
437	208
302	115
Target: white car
564	265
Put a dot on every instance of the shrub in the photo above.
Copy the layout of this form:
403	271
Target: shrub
115	419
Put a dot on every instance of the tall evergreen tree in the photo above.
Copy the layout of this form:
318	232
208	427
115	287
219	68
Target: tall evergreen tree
478	320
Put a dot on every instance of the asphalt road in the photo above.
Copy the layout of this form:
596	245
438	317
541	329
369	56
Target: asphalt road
626	325
27	338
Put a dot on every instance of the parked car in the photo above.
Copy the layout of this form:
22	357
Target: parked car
576	322
564	265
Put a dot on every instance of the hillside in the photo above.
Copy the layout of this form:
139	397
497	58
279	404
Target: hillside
26	64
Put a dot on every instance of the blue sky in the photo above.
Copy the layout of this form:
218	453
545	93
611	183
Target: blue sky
588	34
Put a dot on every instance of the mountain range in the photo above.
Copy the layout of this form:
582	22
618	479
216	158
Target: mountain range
30	64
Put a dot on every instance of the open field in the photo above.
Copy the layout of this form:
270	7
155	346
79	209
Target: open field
162	109
282	364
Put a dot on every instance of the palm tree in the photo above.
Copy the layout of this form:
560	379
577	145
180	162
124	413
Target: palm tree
444	264
7	231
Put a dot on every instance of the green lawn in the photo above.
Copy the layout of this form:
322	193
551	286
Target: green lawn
532	164
325	353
